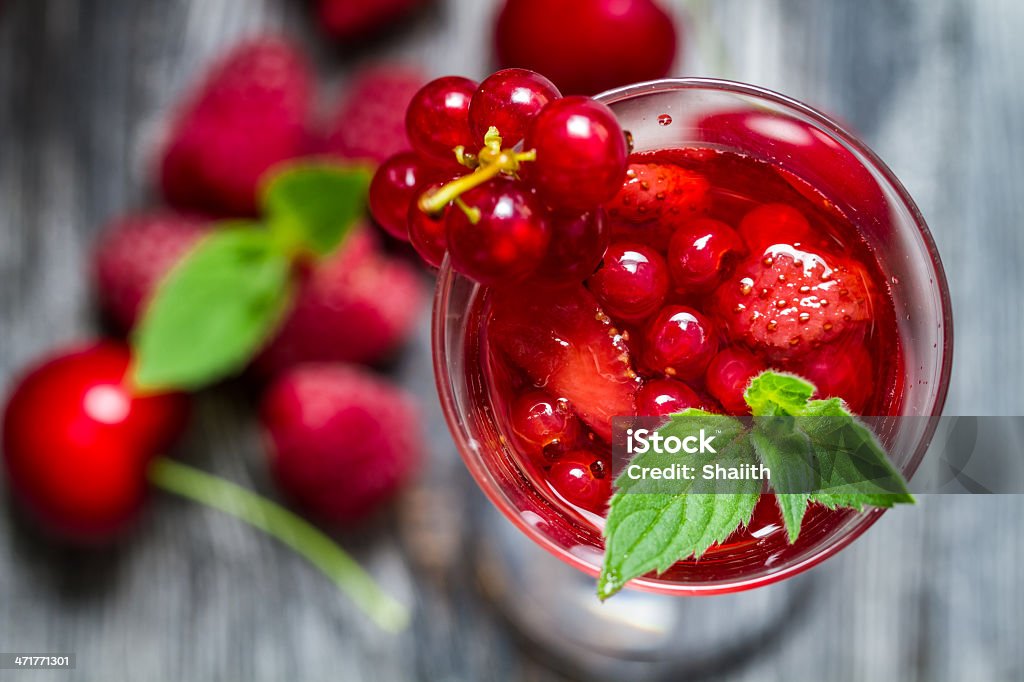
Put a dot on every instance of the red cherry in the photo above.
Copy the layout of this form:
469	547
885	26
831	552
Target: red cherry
544	423
395	185
632	283
427	232
437	119
771	224
680	341
582	479
578	242
77	441
509	240
581	154
509	100
660	397
700	253
586	46
728	376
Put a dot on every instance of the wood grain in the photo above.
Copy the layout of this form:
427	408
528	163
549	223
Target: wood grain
931	593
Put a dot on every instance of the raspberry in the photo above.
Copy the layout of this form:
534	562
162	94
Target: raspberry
133	255
248	114
369	122
358	305
342	440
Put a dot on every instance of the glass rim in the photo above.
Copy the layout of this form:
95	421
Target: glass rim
847	532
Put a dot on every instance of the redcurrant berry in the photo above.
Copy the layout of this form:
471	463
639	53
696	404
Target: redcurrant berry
728	376
582	479
509	100
700	253
437	119
632	282
660	397
578	242
395	185
581	154
543	422
680	341
427	232
505	239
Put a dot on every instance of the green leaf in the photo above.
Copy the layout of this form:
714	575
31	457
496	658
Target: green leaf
815	450
772	393
212	312
313	206
650	531
786	450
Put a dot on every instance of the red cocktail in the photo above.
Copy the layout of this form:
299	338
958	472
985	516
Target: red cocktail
758	235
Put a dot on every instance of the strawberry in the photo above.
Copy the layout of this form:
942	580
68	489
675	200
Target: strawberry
369	122
342	441
658	191
787	302
354	19
564	341
133	255
358	305
247	115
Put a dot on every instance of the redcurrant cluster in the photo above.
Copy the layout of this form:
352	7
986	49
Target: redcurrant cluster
508	177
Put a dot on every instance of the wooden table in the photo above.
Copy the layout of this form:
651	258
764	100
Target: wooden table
931	593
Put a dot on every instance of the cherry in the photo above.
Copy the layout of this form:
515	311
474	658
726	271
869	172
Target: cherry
509	100
427	232
578	242
582	479
680	341
395	184
581	154
544	423
505	236
632	283
437	119
840	373
586	46
728	376
77	441
771	224
700	253
660	397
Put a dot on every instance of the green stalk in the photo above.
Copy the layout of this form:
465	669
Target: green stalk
290	529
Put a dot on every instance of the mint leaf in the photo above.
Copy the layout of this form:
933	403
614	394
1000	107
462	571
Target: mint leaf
815	450
786	450
649	530
773	393
213	311
312	206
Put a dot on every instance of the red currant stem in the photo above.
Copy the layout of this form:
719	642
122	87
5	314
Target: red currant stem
434	202
491	162
472	213
288	528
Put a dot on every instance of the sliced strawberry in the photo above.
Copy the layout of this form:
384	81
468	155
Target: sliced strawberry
566	344
655	191
787	302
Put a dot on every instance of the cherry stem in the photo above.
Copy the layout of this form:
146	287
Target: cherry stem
290	529
491	162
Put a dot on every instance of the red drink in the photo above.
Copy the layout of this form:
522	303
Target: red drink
766	240
747	214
